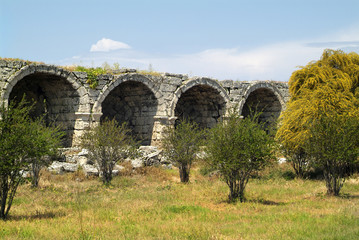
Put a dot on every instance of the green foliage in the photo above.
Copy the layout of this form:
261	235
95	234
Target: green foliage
107	144
116	66
237	148
335	68
22	142
276	171
181	144
276	209
44	144
148	72
334	146
326	87
20	60
92	74
14	134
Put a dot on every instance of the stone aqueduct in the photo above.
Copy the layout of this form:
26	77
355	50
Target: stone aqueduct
147	103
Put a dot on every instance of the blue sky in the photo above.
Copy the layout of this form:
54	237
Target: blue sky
223	39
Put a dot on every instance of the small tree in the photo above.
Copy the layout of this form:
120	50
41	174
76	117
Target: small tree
14	141
334	146
181	144
298	159
19	141
107	144
331	83
44	145
236	148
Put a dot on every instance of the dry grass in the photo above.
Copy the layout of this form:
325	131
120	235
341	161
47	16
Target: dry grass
151	204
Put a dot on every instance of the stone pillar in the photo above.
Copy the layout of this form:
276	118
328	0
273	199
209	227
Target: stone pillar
82	122
95	118
160	124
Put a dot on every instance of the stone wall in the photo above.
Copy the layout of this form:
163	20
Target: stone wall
55	99
148	103
134	103
202	104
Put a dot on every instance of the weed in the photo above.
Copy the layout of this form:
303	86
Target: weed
145	206
277	171
79	175
154	173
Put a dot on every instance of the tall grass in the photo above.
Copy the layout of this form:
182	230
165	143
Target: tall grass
152	204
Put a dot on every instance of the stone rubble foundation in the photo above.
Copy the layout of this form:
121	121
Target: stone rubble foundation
74	159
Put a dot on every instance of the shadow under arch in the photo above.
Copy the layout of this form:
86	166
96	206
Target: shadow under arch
56	97
265	98
202	101
130	100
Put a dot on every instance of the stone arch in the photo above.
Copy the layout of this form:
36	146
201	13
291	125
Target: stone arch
203	100
263	97
130	99
55	91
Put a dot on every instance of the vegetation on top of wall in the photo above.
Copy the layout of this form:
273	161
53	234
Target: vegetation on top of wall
20	60
149	72
92	74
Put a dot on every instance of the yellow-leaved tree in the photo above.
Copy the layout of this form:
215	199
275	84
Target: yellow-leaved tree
325	88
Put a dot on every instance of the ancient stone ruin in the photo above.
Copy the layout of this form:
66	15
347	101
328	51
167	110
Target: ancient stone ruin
147	102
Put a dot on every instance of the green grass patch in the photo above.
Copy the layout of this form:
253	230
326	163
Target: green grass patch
152	204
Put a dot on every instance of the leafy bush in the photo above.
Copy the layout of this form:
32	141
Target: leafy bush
92	74
334	147
277	171
327	86
181	144
44	145
237	148
23	142
107	144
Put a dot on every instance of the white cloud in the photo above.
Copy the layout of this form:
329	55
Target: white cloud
268	62
106	45
339	44
271	62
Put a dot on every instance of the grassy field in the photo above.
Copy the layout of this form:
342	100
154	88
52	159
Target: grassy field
154	205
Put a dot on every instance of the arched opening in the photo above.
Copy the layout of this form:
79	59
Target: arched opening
134	103
265	101
55	99
202	104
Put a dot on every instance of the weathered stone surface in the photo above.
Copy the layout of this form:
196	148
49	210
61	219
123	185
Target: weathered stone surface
149	156
176	81
80	75
153	159
227	83
82	160
124	70
118	167
136	163
84	152
62	167
131	97
90	170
